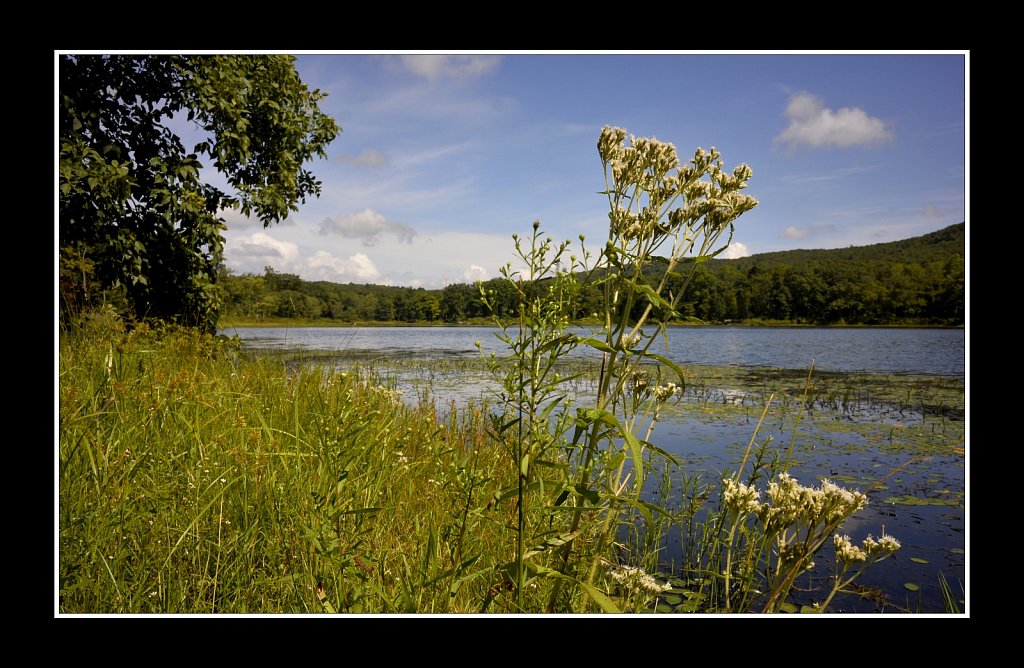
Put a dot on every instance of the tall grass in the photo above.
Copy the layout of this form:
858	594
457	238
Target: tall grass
193	478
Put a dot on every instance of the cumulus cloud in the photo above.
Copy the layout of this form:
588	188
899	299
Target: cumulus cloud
792	232
475	273
370	157
735	250
435	67
358	268
366	225
250	254
813	124
261	250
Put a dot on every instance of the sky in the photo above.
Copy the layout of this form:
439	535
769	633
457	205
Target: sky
443	156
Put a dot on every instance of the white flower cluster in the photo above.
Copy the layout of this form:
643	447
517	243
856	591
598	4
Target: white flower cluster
645	164
630	342
636	581
664	392
871	549
739	498
790	503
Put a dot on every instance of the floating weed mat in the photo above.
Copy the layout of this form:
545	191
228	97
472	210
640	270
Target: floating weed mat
944	498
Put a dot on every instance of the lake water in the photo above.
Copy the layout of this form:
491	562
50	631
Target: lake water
924	504
920	351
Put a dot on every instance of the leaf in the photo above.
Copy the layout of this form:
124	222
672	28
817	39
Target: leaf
919	560
597	345
787	606
691	605
590	495
600	598
911	586
554	541
672	365
654	298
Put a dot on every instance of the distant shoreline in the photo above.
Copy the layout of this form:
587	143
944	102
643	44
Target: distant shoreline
326	322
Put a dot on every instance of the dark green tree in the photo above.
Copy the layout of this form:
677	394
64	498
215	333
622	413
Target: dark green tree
133	207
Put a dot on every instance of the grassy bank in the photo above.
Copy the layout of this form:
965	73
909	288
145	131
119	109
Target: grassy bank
195	480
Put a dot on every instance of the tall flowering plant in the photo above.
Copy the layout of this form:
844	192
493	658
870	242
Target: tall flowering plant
660	210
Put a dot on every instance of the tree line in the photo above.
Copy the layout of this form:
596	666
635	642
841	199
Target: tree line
919	281
140	229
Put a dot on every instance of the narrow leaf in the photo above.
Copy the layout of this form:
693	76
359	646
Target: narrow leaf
600	598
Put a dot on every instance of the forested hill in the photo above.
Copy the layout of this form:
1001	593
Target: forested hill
939	245
918	281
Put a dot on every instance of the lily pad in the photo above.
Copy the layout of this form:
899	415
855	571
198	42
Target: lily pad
919	560
672	599
688	606
911	586
789	607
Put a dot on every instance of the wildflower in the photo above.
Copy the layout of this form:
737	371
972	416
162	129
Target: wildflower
846	551
871	549
610	142
663	392
739	498
881	548
636	581
628	343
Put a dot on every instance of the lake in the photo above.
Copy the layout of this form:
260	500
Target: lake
882	398
923	351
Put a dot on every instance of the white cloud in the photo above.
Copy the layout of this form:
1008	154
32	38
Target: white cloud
811	123
367	225
370	157
475	273
252	253
432	262
261	250
434	67
792	232
358	268
735	250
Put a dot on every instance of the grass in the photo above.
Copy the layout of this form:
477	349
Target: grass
193	479
198	478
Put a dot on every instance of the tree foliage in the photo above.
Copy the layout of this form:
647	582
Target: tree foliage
919	281
134	211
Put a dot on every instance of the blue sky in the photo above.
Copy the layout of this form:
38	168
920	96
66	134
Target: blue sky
443	157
